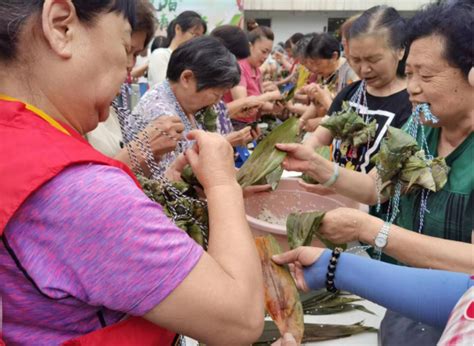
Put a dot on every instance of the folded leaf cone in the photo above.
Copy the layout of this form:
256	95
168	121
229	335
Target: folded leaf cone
301	228
348	126
400	158
282	300
266	158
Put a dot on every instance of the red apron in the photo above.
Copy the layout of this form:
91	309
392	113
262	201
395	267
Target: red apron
34	148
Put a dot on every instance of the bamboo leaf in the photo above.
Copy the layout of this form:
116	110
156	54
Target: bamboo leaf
301	228
265	159
348	126
315	332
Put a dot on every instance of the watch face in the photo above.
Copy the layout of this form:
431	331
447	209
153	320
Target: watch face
380	241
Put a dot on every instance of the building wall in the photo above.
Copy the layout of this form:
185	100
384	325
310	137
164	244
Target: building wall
286	23
331	5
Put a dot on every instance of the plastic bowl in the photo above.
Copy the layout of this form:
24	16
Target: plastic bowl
288	198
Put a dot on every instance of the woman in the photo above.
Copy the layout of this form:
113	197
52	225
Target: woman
199	73
82	246
437	67
184	27
323	58
261	42
107	137
236	41
377	52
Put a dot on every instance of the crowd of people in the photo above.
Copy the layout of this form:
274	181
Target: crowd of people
87	258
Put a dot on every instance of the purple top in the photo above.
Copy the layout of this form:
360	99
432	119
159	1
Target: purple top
91	241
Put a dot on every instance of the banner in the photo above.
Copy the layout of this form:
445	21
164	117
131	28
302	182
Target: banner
214	12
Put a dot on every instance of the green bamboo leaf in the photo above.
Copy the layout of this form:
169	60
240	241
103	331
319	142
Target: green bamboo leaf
348	126
315	332
301	228
265	159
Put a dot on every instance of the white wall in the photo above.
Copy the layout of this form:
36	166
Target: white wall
331	5
286	23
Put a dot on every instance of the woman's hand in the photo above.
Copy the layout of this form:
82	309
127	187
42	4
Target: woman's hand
297	259
212	159
163	134
252	190
243	136
274	95
316	188
299	157
309	125
252	102
269	86
344	225
173	173
287	340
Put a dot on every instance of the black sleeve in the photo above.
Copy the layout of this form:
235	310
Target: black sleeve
404	111
343	95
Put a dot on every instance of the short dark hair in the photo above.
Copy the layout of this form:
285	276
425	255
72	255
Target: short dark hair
300	48
296	37
14	15
322	46
158	42
383	20
213	65
145	20
186	20
259	33
453	22
234	39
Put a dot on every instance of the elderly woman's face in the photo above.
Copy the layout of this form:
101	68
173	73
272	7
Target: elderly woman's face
192	100
432	80
101	57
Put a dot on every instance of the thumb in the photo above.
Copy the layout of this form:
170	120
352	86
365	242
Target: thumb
288	340
192	157
195	135
286	257
287	147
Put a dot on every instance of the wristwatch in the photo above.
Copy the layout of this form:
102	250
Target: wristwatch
381	239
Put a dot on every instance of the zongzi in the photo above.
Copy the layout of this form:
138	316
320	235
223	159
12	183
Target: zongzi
282	300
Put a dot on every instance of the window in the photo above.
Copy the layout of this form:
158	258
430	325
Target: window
264	22
334	24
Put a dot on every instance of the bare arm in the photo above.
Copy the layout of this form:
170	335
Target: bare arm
221	301
358	186
139	71
320	137
409	247
419	250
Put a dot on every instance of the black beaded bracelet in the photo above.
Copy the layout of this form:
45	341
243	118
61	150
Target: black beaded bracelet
330	275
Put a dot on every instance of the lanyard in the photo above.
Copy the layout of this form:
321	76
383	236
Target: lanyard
39	113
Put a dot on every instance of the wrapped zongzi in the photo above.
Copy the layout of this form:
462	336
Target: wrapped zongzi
348	126
282	300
